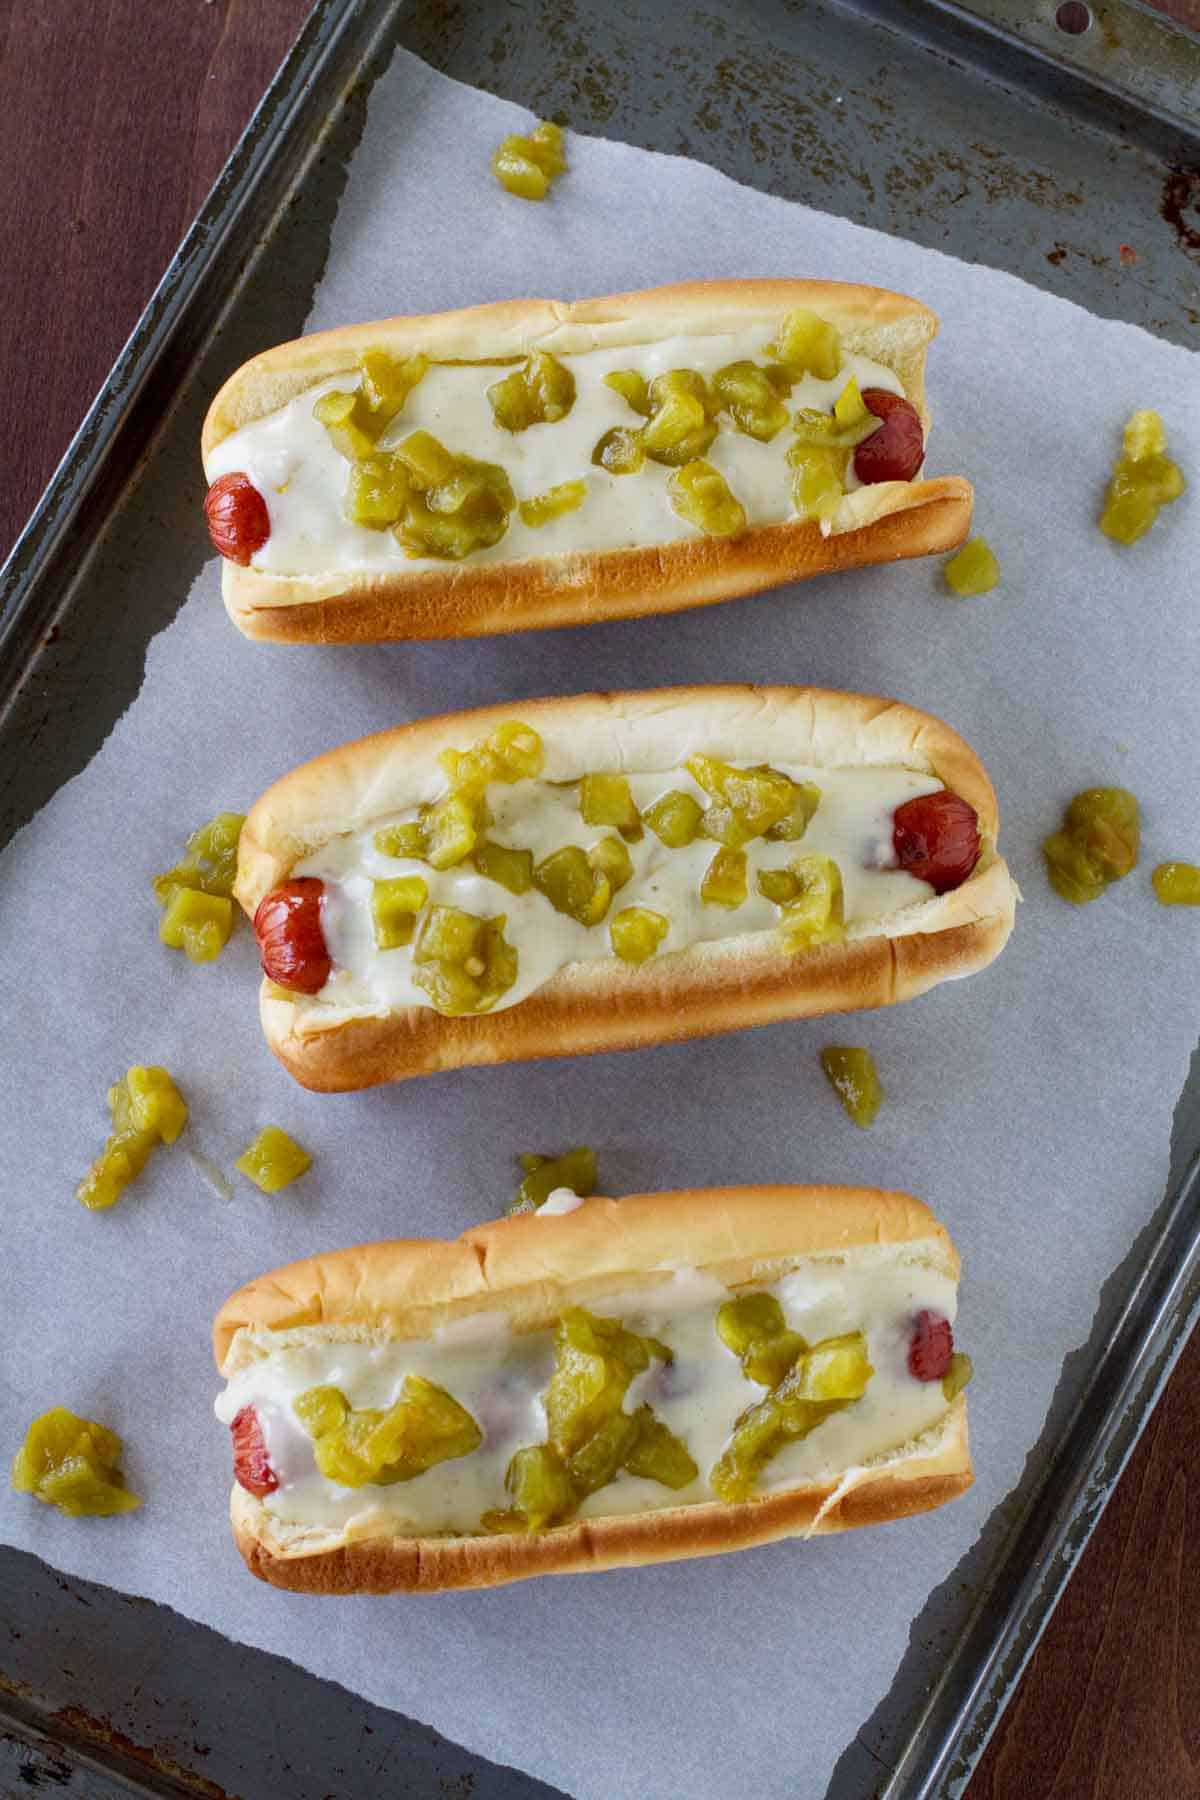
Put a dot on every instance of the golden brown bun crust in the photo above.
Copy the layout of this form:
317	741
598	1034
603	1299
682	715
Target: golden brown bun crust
724	985
919	518
894	520
524	1266
387	1565
528	1268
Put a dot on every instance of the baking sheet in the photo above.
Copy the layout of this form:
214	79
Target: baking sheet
1035	1098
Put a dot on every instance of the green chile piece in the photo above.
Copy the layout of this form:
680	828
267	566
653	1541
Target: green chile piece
822	1380
1098	844
633	389
511	869
852	1075
619	451
746	802
354	1447
395	903
574	1169
636	932
566	497
457	505
724	881
957	1375
807	345
701	495
748	396
462	962
581	883
816	914
675	819
591	1437
540	392
608	800
680	429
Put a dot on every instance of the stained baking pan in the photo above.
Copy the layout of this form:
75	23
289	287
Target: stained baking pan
954	126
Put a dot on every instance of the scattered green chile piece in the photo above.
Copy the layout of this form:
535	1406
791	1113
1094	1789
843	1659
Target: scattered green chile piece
1177	884
807	345
806	797
779	886
210	863
511	869
526	166
542	508
957	1375
378	492
463	963
675	819
198	924
355	419
633	389
701	495
384	1445
147	1110
816	430
574	1169
747	394
636	932
822	1380
619	451
817	476
71	1463
852	1075
1144	480
816	915
591	1437
608	800
540	392
754	1328
448	831
611	859
746	802
1097	845
273	1161
974	570
580	882
683	424
395	904
199	915
724	881
454	504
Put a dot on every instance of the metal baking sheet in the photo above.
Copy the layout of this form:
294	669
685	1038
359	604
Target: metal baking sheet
953	126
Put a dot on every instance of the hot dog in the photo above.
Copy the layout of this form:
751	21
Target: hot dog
632	1381
611	871
534	463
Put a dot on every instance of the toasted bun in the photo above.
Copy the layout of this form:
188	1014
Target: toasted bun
886	522
605	1004
529	1268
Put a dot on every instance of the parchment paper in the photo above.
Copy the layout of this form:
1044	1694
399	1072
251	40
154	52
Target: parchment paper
1030	1106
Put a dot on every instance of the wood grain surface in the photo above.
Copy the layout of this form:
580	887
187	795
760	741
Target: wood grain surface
115	117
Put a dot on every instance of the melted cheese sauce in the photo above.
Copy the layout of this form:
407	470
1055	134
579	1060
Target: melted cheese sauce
500	1377
852	824
290	459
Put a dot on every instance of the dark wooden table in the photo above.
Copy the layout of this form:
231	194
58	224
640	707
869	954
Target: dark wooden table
115	118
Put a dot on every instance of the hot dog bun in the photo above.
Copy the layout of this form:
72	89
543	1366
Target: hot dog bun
885	522
527	1269
606	1004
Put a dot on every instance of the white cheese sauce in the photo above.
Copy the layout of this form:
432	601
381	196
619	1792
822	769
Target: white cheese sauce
852	825
289	457
500	1377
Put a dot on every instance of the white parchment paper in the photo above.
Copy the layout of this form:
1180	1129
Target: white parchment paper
1030	1106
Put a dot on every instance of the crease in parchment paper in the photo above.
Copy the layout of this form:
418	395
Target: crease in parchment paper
1031	1106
